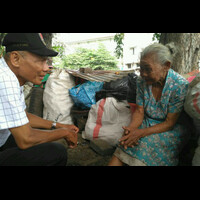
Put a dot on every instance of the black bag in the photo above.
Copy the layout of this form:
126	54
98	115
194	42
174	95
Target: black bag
131	93
119	89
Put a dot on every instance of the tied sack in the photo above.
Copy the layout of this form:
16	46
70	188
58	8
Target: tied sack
105	120
56	98
83	95
192	100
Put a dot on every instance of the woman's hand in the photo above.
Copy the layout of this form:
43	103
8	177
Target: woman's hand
130	137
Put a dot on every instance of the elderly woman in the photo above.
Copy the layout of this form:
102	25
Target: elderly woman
154	138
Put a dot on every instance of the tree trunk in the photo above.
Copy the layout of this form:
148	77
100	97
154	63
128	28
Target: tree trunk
188	44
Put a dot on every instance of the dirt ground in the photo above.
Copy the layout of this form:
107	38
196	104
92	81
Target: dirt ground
84	155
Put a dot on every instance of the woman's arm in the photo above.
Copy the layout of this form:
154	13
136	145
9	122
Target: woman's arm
137	118
135	134
167	125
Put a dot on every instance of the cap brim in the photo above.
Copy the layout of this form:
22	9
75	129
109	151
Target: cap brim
44	52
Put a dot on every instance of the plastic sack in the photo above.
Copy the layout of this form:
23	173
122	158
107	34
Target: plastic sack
132	86
56	98
192	100
83	95
105	120
119	89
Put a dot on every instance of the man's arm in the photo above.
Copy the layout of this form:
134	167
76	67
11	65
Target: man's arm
26	136
38	122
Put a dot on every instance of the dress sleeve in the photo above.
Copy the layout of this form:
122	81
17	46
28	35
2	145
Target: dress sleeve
177	98
140	92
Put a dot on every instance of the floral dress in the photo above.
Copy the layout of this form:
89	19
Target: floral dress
161	149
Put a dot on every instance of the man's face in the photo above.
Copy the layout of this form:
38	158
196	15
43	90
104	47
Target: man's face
32	68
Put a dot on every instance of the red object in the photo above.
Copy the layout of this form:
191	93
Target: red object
195	102
99	117
193	73
190	79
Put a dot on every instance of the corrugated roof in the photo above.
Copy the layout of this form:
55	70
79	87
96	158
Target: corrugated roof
101	75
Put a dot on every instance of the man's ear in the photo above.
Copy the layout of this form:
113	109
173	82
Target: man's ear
15	58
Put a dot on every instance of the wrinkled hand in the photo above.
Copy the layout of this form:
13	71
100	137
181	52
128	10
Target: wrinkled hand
130	137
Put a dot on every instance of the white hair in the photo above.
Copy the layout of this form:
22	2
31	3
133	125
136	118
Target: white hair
164	53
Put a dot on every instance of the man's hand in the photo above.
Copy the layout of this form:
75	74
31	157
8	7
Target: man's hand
71	138
70	127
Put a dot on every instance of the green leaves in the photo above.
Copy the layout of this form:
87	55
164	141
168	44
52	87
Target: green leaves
156	36
119	48
91	58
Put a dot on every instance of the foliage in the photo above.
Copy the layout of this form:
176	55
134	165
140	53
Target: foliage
119	48
2	48
90	58
156	36
60	48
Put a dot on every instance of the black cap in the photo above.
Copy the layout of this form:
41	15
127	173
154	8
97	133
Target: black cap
32	42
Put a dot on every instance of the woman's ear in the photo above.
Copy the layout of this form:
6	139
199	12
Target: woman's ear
167	66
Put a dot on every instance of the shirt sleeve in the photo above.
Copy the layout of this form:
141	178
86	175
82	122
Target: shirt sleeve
12	105
139	92
177	98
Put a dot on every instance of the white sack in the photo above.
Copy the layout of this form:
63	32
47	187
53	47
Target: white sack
105	120
192	101
56	98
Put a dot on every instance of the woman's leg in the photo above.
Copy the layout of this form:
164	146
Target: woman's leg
115	162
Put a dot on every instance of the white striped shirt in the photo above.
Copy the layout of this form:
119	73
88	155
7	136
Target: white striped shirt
12	104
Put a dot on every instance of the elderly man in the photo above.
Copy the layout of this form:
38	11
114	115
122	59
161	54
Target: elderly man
21	140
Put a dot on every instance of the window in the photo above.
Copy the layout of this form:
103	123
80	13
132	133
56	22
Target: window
129	65
133	50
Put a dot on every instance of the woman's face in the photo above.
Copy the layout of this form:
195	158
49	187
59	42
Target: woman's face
151	71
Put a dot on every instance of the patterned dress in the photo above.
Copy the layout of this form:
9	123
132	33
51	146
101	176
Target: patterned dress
161	149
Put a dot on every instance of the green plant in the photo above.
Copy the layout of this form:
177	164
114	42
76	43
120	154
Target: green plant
119	48
156	36
91	58
60	48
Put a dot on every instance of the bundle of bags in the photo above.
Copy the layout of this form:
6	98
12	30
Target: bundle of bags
108	104
111	111
192	101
